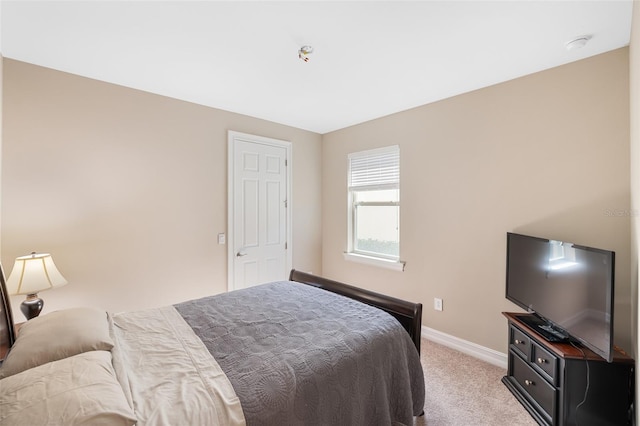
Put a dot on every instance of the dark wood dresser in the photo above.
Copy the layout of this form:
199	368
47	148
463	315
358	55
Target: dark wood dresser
551	380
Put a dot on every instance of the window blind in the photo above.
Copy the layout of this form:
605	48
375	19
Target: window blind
375	168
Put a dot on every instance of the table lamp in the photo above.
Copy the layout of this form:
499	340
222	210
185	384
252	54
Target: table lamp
30	274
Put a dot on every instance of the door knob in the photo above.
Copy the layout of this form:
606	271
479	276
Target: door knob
240	254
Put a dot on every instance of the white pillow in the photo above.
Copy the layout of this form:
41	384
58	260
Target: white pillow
79	390
55	336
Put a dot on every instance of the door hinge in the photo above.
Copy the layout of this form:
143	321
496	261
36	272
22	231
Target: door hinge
286	162
285	246
286	204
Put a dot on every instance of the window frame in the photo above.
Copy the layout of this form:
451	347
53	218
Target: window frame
385	183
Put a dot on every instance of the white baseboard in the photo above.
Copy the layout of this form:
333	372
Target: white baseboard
485	354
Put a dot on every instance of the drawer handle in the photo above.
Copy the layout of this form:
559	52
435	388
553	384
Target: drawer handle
541	360
519	342
529	383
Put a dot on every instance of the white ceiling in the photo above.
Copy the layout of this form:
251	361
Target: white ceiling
371	59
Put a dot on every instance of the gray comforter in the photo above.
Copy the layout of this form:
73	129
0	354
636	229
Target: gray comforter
298	355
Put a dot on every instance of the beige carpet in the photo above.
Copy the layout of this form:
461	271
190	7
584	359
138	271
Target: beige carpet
464	391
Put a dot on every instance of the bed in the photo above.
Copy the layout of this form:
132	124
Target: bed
307	351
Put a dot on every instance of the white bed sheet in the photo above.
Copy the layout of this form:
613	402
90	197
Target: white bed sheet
167	373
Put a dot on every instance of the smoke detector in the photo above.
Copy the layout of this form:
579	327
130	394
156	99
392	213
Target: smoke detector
577	43
304	53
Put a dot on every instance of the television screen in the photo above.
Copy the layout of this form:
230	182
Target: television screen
567	285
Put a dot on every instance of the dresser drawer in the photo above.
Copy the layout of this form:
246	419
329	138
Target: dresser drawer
535	387
520	342
545	362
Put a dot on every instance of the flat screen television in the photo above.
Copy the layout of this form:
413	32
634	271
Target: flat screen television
569	288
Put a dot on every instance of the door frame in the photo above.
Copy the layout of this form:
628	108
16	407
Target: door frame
231	152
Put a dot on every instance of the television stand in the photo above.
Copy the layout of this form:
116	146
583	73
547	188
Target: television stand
550	379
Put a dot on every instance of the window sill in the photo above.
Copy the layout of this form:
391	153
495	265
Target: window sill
396	265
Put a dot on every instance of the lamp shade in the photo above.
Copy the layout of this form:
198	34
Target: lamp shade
33	273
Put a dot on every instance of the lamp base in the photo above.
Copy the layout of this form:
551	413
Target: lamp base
31	306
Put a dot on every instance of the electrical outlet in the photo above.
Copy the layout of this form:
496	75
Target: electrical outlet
222	239
437	304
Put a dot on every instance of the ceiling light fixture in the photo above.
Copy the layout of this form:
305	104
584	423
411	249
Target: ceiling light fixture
304	53
577	43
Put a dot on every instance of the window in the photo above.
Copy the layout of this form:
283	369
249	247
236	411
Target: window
374	207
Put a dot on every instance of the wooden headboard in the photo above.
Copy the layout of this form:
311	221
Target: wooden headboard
7	336
409	314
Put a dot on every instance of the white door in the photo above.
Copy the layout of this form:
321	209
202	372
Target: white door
259	218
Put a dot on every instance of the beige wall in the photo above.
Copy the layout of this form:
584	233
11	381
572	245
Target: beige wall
1	67
128	189
634	97
545	155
